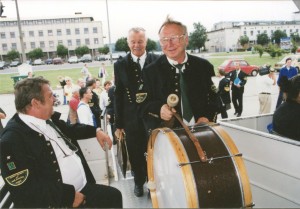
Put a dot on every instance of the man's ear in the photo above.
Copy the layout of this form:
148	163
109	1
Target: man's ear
35	103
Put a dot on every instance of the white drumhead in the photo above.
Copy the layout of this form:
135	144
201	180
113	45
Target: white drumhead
169	178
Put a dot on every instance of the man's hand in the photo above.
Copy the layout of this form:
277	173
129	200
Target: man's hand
103	138
166	113
119	133
202	120
78	200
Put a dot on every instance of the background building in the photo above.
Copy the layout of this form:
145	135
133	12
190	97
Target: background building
225	36
48	33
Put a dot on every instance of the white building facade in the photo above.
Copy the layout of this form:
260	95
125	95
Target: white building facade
225	36
48	33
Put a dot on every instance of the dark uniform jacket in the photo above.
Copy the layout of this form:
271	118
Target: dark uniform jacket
128	81
243	80
30	168
224	90
161	80
95	108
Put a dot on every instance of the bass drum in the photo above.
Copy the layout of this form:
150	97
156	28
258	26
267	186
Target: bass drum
219	183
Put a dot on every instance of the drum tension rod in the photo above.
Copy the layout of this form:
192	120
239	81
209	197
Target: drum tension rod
210	160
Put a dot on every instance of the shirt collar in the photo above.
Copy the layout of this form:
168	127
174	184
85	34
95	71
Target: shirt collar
32	121
173	62
142	58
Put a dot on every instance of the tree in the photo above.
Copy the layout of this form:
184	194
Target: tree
260	49
197	38
262	39
277	35
61	50
121	45
13	54
81	50
103	50
244	40
274	50
295	37
36	53
151	45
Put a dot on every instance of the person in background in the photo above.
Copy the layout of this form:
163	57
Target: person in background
81	82
102	73
104	96
98	89
264	86
29	75
68	88
238	79
85	72
128	82
84	112
2	116
94	101
62	83
73	105
289	71
286	118
224	93
41	162
177	72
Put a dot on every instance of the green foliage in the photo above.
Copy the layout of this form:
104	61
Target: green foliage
81	50
197	38
61	50
295	37
151	45
262	39
243	40
36	53
294	46
121	45
274	50
13	54
260	49
103	50
277	35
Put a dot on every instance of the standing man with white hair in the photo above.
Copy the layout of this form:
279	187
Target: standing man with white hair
128	82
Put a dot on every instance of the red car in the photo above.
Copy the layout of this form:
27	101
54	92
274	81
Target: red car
229	65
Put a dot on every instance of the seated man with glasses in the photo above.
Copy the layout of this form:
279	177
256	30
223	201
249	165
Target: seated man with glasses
41	162
177	72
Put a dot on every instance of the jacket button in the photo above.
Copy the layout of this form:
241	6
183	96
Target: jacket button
51	152
57	170
48	144
54	161
58	180
176	90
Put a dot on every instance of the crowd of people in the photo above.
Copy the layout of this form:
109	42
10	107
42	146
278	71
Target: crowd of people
41	161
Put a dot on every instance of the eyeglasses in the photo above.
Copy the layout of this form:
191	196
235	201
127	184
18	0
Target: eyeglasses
174	39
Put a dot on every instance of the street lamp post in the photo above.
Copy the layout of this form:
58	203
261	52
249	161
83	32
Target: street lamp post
20	33
109	39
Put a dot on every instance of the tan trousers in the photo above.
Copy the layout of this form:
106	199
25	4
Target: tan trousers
265	101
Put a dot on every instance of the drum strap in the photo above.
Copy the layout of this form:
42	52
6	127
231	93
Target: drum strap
199	149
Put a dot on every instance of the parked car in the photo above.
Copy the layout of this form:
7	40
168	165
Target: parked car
57	61
73	59
15	63
86	58
295	62
229	65
100	58
49	61
38	62
4	65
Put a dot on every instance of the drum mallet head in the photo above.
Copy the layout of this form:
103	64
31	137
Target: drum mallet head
172	100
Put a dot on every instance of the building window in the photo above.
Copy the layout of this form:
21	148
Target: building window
69	42
284	30
87	41
86	31
245	33
258	32
96	41
251	33
59	32
25	45
23	34
77	31
291	30
68	31
265	31
4	47
95	30
13	46
12	35
51	44
78	42
60	42
31	33
50	33
32	45
41	33
297	30
42	44
3	36
272	31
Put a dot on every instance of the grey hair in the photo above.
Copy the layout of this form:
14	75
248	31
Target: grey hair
136	30
170	21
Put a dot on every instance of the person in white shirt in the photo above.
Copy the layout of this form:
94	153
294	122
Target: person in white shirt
84	112
41	162
104	96
102	73
85	72
264	86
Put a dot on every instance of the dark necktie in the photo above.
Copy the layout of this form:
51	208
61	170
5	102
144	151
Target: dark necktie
138	63
186	107
63	136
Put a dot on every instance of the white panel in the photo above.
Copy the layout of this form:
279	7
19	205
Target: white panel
91	149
